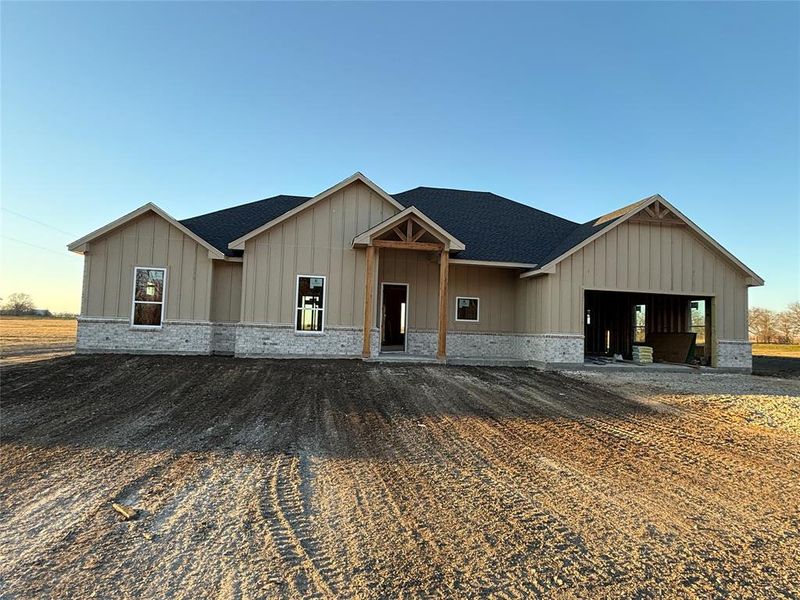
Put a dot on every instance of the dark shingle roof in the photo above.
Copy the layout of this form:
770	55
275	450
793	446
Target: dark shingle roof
221	227
576	236
491	227
588	229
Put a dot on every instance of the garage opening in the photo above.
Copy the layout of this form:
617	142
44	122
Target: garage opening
676	327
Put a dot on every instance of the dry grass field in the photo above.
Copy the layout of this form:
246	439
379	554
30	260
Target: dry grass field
337	479
35	338
787	350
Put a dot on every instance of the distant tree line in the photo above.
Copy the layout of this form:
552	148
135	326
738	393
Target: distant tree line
21	305
775	327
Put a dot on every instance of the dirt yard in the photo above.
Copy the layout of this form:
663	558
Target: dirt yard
299	479
35	338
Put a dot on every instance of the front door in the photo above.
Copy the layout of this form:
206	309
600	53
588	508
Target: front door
394	310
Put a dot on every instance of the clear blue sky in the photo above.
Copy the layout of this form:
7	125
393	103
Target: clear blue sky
576	109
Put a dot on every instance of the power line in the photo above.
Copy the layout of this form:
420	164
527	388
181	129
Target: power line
19	214
6	237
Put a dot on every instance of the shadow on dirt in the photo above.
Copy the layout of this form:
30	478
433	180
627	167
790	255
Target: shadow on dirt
777	366
341	408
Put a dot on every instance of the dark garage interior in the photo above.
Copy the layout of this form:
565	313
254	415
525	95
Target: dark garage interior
677	327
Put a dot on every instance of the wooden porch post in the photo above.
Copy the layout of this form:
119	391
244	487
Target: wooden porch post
444	268
369	286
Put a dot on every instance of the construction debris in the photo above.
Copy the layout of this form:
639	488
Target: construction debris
672	347
642	354
127	512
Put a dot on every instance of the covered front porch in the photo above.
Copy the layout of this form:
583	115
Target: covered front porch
422	248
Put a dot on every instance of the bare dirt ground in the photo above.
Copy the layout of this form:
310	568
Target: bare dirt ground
24	339
777	366
258	479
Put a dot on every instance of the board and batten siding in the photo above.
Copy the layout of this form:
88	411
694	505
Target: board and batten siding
315	241
420	270
226	291
148	241
664	259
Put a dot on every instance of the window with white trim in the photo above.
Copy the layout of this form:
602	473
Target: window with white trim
149	284
310	303
467	309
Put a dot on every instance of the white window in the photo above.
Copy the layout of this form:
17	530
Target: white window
467	309
310	303
149	286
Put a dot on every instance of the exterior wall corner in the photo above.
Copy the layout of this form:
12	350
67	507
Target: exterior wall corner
734	354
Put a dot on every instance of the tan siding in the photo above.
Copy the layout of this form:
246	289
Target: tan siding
535	305
623	257
226	291
148	241
422	274
637	257
112	276
185	297
495	287
97	275
316	241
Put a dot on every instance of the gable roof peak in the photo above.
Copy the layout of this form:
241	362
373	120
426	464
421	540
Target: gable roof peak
591	230
365	238
238	243
79	245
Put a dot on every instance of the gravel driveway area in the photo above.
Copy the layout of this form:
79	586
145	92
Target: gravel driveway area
257	478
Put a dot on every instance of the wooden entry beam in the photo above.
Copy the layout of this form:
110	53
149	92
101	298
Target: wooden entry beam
397	245
444	268
369	311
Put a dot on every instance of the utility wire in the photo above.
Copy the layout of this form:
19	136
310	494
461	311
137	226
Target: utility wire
19	214
6	237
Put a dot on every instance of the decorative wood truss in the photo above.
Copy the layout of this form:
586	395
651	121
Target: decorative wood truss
658	213
409	235
409	229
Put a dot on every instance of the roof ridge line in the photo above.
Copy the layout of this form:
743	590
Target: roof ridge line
517	202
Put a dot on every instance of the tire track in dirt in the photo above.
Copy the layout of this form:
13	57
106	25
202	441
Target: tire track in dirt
441	432
594	485
648	434
551	516
655	446
343	479
283	508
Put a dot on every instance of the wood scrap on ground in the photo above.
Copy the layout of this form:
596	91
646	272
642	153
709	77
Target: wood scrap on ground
127	512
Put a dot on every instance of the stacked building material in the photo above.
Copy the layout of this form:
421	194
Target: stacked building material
643	354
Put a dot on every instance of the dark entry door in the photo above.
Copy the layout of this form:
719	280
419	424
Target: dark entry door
394	310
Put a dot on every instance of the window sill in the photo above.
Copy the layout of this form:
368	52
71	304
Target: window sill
146	327
311	333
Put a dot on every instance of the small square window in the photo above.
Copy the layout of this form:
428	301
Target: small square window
467	309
